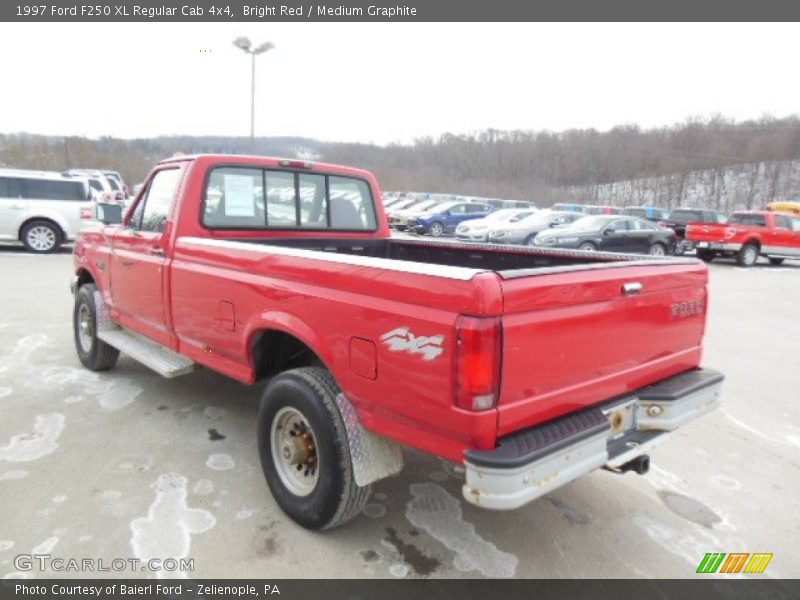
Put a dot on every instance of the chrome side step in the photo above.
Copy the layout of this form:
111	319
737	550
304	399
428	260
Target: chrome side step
162	360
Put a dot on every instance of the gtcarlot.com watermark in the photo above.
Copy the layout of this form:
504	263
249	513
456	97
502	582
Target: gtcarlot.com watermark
48	563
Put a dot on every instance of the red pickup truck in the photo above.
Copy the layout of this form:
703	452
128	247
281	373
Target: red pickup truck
748	235
529	366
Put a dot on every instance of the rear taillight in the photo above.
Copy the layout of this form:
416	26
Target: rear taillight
478	354
662	224
86	214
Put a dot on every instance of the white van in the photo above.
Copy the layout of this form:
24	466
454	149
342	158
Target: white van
42	209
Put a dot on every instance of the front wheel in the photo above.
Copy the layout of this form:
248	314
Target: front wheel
587	247
436	229
657	250
41	237
93	352
304	450
748	255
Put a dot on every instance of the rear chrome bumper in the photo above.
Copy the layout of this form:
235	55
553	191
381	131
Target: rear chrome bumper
536	461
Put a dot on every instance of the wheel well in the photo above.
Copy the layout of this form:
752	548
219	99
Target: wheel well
84	277
33	219
276	351
753	242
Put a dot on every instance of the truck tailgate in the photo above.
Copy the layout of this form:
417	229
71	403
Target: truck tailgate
578	337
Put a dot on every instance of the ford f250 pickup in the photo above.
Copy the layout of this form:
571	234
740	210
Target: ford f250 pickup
748	235
528	366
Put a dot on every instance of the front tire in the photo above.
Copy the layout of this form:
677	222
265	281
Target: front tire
304	450
436	229
93	352
657	250
41	237
747	255
587	247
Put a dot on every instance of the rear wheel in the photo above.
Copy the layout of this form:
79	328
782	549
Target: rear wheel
42	237
587	247
304	450
657	250
93	352
706	255
530	240
776	261
748	255
436	229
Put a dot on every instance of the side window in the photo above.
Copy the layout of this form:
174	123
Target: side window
795	223
351	204
43	189
618	225
158	201
783	222
758	221
10	188
458	209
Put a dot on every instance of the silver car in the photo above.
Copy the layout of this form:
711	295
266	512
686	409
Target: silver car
42	209
524	231
477	230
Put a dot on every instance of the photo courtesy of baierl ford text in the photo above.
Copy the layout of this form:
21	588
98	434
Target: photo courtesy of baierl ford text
389	299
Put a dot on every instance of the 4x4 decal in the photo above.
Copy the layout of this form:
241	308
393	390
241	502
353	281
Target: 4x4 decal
402	340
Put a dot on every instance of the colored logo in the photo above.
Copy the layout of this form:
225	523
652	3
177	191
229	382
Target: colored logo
735	562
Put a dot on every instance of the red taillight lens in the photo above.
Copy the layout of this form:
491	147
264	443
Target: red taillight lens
86	214
662	224
478	362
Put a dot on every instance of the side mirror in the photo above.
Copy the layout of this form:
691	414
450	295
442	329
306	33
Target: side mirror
609	231
108	214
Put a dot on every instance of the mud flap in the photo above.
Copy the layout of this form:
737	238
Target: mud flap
373	457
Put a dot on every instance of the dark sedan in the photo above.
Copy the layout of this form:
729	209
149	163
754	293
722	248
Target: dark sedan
611	233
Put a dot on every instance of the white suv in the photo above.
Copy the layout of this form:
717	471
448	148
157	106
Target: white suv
42	209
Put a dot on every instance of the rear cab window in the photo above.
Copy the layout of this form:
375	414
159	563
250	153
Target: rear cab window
264	198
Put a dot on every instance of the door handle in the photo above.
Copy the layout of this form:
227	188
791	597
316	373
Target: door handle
629	289
156	251
17	206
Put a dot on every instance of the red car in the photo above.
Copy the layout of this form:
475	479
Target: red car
528	366
748	235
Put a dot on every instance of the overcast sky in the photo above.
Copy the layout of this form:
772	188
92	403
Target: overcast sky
388	82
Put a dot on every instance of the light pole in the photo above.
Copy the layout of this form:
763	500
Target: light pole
245	45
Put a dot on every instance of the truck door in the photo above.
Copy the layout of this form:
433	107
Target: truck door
138	259
783	238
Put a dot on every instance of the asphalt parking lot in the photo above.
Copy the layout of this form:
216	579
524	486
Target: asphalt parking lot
128	465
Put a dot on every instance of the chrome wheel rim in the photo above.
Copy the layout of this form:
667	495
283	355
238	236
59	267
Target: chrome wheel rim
750	256
294	451
436	230
85	328
657	250
587	248
41	238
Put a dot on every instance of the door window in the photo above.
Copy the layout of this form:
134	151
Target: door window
10	188
782	222
152	211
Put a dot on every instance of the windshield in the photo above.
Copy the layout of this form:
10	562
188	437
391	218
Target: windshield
503	215
422	206
443	207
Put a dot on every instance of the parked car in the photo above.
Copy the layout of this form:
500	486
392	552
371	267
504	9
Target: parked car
679	218
611	233
105	189
41	209
404	203
591	209
748	235
524	231
447	216
477	230
399	218
651	213
568	207
365	343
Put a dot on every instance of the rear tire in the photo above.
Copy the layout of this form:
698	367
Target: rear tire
776	261
657	250
588	247
529	241
747	255
93	352
41	237
328	496
706	255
